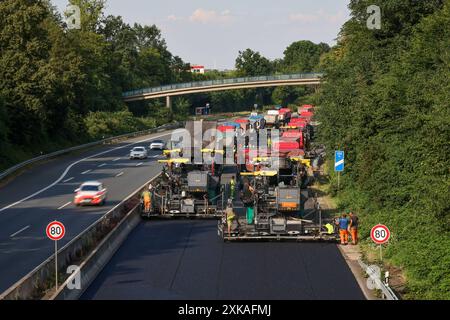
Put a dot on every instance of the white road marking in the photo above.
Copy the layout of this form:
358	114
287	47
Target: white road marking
65	205
139	164
16	233
67	180
102	165
116	159
119	174
87	171
156	156
73	164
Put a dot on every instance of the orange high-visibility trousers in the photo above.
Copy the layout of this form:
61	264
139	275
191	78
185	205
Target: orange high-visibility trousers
344	236
147	205
354	233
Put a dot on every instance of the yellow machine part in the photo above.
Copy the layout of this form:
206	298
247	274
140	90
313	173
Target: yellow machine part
212	150
166	152
260	173
177	160
261	159
306	162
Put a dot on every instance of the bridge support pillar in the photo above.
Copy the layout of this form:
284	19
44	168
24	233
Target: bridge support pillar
168	102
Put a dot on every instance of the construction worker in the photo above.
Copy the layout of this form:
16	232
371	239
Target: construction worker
247	197
146	198
232	187
343	229
354	228
231	216
329	227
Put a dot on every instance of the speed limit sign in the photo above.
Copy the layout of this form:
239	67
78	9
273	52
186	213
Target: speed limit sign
55	230
380	234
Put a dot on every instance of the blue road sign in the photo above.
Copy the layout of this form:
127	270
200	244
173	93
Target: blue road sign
339	161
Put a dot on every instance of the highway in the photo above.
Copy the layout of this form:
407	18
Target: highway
45	193
186	260
181	259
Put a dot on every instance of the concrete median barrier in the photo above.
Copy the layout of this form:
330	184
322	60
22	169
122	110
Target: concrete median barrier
98	258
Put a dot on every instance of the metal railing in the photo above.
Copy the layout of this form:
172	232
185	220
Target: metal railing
23	164
385	289
197	84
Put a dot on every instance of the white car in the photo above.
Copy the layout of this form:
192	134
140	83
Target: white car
157	144
138	153
90	192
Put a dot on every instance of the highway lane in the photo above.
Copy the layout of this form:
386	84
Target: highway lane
23	244
186	260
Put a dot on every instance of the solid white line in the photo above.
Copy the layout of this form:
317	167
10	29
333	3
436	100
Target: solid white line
87	171
119	174
65	205
16	233
73	164
117	159
102	165
139	164
67	180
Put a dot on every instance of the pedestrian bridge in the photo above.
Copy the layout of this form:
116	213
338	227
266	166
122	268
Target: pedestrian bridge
222	84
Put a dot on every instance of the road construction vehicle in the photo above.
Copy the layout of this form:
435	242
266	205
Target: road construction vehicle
190	182
280	207
280	212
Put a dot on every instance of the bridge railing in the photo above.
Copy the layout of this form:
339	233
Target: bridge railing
207	83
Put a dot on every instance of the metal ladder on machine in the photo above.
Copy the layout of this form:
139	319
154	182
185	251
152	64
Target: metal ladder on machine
263	219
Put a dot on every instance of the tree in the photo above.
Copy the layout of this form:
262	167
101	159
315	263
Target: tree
250	63
303	56
386	103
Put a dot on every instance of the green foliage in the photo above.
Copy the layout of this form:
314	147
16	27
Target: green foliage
251	63
386	103
53	80
102	125
303	56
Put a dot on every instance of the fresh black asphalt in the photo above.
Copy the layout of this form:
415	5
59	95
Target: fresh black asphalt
187	260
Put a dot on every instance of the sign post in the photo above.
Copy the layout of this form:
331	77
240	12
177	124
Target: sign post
55	231
380	234
338	164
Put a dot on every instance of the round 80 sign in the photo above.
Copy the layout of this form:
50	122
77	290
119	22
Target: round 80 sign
55	230
380	234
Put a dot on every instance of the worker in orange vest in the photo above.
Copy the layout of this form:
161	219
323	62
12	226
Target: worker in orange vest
147	199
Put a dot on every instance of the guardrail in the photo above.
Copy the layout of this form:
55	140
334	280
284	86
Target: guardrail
21	165
386	291
186	85
37	283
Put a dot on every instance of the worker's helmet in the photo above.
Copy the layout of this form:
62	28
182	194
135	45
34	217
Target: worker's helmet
230	202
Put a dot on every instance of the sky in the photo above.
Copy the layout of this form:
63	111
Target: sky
212	32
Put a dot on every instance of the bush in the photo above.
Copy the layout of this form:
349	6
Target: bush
100	125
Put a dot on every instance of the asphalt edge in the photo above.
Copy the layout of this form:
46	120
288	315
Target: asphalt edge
357	271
